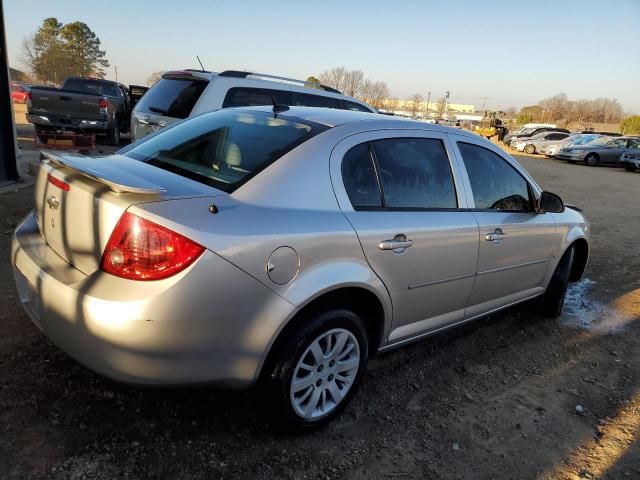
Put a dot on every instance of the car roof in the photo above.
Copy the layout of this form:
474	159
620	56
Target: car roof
333	117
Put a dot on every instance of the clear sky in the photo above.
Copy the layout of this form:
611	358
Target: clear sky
514	52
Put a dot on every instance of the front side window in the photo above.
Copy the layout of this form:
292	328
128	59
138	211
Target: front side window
621	143
252	97
495	184
414	173
359	178
224	148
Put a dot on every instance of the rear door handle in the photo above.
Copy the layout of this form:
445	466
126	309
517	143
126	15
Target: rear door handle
496	236
398	244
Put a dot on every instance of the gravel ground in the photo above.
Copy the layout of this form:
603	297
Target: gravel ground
509	396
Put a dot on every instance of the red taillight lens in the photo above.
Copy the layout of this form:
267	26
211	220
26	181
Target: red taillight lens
102	103
57	182
139	249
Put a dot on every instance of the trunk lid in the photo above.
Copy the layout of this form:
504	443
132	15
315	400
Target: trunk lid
80	199
65	103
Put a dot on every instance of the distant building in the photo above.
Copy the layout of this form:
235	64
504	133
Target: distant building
406	107
17	76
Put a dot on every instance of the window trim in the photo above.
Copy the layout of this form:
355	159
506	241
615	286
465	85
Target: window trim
386	208
530	188
232	90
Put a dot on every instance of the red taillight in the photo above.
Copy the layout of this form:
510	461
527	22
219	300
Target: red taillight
102	103
139	249
57	182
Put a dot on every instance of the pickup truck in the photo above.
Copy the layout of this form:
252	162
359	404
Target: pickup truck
83	105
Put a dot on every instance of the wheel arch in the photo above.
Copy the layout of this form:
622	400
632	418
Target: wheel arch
580	259
362	300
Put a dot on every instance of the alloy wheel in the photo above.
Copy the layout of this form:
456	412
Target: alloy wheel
325	373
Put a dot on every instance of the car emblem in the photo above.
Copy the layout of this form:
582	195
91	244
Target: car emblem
53	202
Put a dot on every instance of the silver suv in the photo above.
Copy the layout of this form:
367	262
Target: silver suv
284	247
187	93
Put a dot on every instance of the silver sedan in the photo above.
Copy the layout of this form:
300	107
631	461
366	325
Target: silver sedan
284	247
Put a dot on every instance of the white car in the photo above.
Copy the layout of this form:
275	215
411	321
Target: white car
537	142
186	93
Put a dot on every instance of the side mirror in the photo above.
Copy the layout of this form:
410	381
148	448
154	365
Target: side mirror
550	202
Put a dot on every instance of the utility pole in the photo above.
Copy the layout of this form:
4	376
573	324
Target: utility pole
115	67
446	104
8	164
484	105
428	101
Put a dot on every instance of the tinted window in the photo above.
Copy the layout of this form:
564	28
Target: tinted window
359	177
556	136
224	148
496	185
172	97
415	173
355	107
91	86
308	100
249	97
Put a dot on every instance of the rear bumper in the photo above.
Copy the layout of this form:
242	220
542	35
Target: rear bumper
56	121
211	323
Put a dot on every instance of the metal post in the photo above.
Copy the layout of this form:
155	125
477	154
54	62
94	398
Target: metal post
428	101
8	164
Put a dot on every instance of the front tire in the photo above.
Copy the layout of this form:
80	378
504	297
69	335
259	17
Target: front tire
317	369
552	301
529	149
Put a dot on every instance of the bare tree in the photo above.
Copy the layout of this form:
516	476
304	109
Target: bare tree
353	80
415	104
334	78
154	78
555	107
366	91
441	106
379	93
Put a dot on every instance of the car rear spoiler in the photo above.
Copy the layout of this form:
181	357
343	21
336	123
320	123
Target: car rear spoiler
107	170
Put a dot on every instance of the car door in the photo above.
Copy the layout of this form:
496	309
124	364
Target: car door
612	151
516	243
404	197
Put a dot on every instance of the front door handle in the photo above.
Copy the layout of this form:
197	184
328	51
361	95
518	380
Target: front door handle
496	236
398	244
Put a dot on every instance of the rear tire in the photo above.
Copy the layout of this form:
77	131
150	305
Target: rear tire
113	137
529	149
630	168
591	160
327	357
552	301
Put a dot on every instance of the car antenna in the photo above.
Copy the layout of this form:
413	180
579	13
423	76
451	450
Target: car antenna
201	66
277	108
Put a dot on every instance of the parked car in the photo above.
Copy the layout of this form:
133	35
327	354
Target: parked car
535	143
19	92
630	159
187	93
604	151
511	138
284	247
553	148
82	105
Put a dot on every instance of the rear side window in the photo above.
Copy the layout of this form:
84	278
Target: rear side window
91	86
172	97
359	178
250	97
415	173
356	107
495	184
224	148
307	100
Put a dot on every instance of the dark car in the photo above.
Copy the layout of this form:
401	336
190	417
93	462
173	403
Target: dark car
82	105
530	132
604	151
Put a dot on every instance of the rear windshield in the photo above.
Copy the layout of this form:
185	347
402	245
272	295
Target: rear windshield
91	86
226	148
172	97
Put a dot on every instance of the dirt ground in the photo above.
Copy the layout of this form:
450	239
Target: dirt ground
510	396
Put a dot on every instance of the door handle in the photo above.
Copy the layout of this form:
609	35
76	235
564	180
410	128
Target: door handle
398	244
496	236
